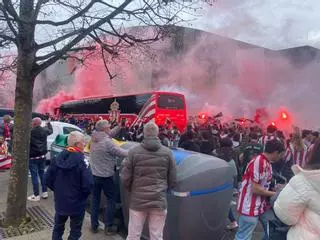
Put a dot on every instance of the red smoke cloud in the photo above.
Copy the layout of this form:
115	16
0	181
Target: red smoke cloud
89	80
48	105
7	82
92	79
216	76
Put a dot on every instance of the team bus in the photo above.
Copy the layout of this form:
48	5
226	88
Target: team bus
161	107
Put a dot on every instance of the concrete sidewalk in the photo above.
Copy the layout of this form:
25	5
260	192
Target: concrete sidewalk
48	205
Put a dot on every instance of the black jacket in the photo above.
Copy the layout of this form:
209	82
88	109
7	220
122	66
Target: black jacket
191	145
283	168
206	147
184	137
38	140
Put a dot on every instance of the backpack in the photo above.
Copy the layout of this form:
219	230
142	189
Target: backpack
250	151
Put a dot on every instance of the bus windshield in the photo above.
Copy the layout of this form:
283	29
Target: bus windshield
168	101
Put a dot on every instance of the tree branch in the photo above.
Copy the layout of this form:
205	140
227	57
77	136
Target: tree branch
8	20
57	52
81	60
155	13
102	44
77	39
106	65
59	39
7	38
8	67
7	4
38	7
70	19
111	34
126	36
129	12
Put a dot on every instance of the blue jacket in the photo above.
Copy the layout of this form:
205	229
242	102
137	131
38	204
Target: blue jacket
71	181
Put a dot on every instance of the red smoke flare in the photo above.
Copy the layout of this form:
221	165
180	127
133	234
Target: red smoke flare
50	104
284	116
90	80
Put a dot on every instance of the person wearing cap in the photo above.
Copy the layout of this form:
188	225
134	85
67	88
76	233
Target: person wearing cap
148	172
103	154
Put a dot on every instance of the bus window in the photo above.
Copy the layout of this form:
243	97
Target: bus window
166	101
127	104
142	99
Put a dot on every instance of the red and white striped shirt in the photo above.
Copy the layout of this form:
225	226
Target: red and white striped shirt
307	143
299	157
264	139
259	170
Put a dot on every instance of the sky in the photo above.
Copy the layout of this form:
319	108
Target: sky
274	24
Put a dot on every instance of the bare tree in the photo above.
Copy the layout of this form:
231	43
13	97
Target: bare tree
40	32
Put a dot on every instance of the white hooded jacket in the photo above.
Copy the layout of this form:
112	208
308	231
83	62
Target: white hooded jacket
298	205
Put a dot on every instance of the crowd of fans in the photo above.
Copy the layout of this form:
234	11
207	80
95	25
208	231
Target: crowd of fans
230	140
206	137
254	154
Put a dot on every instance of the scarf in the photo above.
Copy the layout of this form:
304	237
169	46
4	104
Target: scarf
6	132
74	149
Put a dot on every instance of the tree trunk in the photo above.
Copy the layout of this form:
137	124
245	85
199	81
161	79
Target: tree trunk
18	182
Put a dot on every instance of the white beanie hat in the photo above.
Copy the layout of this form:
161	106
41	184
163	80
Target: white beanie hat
150	130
